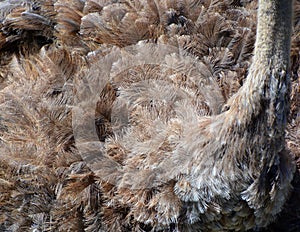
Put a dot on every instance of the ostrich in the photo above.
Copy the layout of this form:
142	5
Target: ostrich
223	168
227	171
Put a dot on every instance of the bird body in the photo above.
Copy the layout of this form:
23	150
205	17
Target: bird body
134	115
233	170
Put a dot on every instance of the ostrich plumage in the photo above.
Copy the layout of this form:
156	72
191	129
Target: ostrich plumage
198	135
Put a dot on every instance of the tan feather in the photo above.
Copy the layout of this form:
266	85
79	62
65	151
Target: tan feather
138	116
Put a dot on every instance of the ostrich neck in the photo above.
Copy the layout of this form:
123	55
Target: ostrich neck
263	98
273	33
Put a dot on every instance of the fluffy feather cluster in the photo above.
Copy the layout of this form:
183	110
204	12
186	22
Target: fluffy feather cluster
99	101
